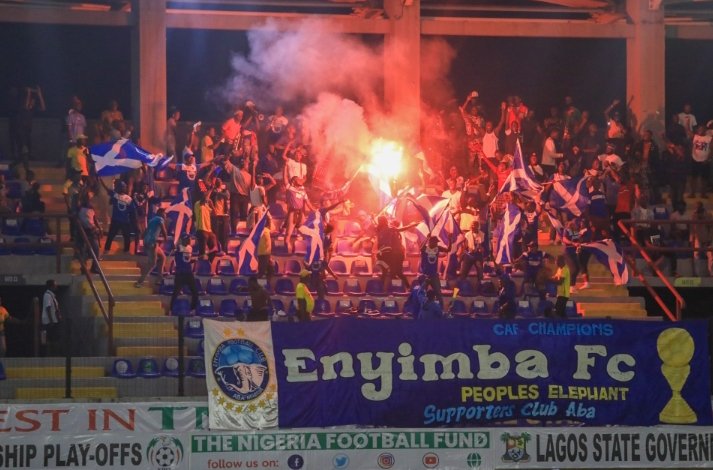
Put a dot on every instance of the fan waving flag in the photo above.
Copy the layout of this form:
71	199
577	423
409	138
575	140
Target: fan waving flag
610	255
113	158
521	179
507	234
314	229
247	253
179	214
570	195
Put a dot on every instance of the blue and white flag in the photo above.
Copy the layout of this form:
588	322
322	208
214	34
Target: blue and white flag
313	228
180	214
570	195
521	179
113	158
507	233
247	253
382	188
610	255
437	219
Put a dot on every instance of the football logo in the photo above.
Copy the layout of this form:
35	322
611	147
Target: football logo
164	452
240	369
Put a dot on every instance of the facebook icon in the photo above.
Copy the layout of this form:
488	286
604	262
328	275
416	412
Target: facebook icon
295	462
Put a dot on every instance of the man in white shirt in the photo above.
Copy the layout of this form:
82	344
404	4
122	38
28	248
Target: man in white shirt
550	156
294	168
454	197
688	120
51	318
700	152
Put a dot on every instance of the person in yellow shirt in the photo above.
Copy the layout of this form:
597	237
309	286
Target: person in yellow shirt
305	301
205	237
4	318
78	156
563	280
264	253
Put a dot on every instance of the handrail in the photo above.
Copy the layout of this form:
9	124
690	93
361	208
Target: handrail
680	303
650	290
108	314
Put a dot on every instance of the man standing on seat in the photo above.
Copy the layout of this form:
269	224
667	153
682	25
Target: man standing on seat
184	271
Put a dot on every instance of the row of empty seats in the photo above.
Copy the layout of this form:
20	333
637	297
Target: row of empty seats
12	246
148	368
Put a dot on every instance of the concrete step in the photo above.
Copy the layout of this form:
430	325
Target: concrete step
121	271
138	308
121	288
142	351
612	309
144	330
55	372
35	393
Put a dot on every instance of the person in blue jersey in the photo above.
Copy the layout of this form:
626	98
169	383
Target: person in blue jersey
473	251
430	251
531	261
598	210
184	271
123	212
573	237
431	308
530	223
154	253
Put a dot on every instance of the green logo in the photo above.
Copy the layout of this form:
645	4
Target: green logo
474	460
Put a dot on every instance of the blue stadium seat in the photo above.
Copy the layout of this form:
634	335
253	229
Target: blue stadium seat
338	266
166	287
389	306
479	309
344	248
458	308
48	247
181	308
22	250
660	213
123	369
375	287
360	268
332	287
487	288
199	288
196	367
343	306
239	286
284	286
216	286
193	328
465	288
4	249
170	367
203	267
226	267
352	287
11	227
570	309
525	310
228	308
398	288
366	305
292	267
34	227
323	308
278	305
206	308
148	368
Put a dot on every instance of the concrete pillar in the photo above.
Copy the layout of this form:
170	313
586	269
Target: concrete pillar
148	72
645	66
402	72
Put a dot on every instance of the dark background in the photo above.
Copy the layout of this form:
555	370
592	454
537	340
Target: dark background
94	62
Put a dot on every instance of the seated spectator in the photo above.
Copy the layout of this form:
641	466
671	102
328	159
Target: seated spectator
32	200
261	303
431	309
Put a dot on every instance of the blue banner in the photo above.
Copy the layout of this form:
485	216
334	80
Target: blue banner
486	373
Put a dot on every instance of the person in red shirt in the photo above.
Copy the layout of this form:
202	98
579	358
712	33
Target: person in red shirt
624	202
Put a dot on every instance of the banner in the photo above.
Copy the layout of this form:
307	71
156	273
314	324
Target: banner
242	387
460	373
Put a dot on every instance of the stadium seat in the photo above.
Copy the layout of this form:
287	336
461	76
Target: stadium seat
203	268
322	308
166	287
34	227
366	306
332	287
570	309
181	308
48	246
544	306
389	307
123	369
352	287
398	288
344	306
247	305
458	308
284	286
216	286
266	285
206	308
193	328
148	368
479	309
360	268
279	248
228	308
338	266
199	288
660	213
11	227
374	287
170	367
278	305
196	367
275	268
487	288
292	267
344	248
366	248
4	250
239	286
300	247
226	267
465	288
525	310
352	229
22	250
14	189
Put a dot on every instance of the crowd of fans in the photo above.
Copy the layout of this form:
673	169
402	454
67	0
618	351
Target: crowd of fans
234	172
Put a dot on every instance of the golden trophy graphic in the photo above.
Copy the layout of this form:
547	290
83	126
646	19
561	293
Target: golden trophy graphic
675	347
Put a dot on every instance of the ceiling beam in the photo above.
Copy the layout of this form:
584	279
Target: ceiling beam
523	28
62	15
701	32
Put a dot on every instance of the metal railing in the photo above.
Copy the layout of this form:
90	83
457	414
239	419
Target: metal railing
106	310
629	227
52	221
